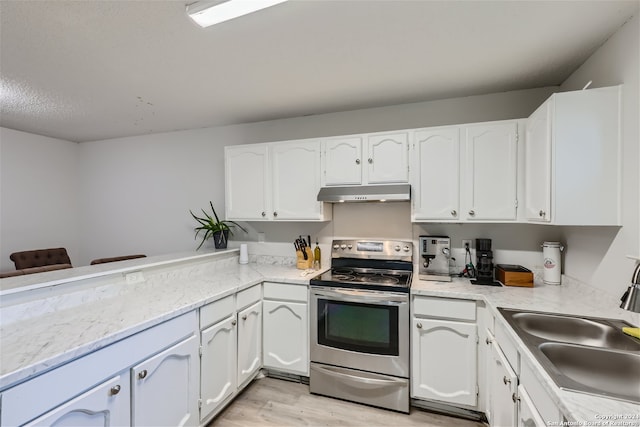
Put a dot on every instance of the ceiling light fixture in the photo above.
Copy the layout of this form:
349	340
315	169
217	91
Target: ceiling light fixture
207	12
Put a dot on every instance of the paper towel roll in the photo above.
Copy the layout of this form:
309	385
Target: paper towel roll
244	254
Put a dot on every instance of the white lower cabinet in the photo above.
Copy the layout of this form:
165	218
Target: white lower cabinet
218	365
443	351
285	345
528	415
249	342
165	387
107	404
150	378
503	384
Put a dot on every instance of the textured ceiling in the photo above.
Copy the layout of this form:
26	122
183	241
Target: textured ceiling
88	70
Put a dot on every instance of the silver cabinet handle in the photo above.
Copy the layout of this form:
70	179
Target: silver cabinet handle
357	161
419	326
233	322
370	160
114	390
472	212
264	213
142	374
506	380
515	398
542	213
275	214
244	317
454	212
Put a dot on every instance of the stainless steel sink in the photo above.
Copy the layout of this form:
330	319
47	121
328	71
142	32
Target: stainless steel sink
575	330
611	373
585	354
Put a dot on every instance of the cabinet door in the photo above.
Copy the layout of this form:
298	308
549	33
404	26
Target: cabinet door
247	183
165	387
217	365
249	341
436	178
388	158
444	361
503	384
296	172
342	161
490	166
538	165
528	415
286	338
103	405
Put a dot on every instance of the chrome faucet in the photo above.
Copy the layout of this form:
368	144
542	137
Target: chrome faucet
631	298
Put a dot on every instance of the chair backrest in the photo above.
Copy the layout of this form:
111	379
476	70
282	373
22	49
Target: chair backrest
116	258
39	258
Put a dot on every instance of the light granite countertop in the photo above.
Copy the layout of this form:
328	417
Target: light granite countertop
46	326
61	315
569	298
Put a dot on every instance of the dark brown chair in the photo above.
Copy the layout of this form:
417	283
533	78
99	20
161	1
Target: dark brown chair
41	258
116	258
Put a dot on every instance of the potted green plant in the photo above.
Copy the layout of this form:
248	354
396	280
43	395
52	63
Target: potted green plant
213	227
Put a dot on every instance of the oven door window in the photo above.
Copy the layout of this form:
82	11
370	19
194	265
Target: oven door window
364	328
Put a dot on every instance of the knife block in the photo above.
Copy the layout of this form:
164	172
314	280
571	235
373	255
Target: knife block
301	263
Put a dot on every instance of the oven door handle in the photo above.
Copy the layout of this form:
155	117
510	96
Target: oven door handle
374	382
359	296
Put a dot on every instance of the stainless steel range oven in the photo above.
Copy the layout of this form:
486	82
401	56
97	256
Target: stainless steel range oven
360	324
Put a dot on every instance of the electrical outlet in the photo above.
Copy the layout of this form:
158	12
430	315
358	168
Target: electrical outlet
261	238
466	242
134	277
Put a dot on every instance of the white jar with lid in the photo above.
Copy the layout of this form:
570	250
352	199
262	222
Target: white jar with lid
551	262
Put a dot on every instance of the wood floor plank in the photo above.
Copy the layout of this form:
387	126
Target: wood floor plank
274	402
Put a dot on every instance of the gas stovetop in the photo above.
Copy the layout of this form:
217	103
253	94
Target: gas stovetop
372	265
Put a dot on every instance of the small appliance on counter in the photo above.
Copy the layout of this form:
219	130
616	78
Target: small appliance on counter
484	264
435	253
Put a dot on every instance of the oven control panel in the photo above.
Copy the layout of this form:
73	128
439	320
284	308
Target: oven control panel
373	249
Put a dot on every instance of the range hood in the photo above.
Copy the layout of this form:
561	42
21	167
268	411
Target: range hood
365	193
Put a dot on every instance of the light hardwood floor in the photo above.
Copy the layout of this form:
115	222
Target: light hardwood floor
274	402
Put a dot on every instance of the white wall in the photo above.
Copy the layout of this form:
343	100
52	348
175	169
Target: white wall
597	255
38	195
136	192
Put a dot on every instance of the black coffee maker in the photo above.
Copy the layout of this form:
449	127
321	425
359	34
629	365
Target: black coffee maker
484	263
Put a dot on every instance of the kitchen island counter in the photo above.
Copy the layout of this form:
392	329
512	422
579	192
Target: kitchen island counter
63	317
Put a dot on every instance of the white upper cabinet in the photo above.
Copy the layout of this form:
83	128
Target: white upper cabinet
579	181
247	182
379	158
275	181
388	158
489	172
343	160
538	165
296	172
436	179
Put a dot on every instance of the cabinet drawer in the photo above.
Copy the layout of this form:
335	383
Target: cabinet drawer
508	347
445	308
217	310
539	396
286	292
248	297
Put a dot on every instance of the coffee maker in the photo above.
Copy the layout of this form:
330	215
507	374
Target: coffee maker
435	254
484	263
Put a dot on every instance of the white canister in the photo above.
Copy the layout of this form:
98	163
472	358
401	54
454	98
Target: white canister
551	262
244	254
